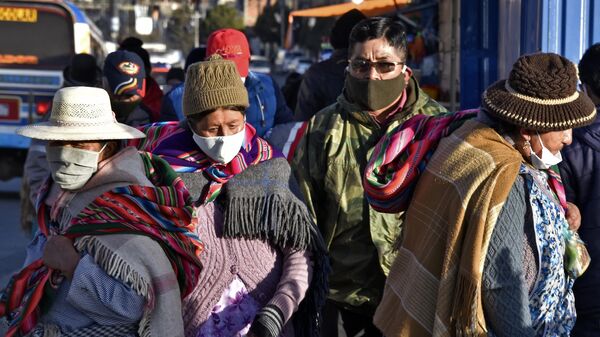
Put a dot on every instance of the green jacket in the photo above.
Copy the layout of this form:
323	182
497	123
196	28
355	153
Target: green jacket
329	164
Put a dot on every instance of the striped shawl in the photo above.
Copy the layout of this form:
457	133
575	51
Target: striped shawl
434	286
173	142
161	213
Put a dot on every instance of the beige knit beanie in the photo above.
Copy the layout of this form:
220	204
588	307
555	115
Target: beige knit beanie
213	84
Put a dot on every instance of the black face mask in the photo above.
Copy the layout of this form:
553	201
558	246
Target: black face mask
124	109
372	95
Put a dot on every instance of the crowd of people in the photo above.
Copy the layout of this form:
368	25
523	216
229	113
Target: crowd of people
215	210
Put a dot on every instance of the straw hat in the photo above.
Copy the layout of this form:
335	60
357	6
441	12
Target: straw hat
80	113
540	94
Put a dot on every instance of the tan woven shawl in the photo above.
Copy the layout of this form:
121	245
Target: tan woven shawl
434	286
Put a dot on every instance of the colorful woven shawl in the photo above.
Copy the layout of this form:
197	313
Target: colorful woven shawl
174	143
162	212
403	153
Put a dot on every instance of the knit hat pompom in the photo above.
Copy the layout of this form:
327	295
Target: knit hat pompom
213	84
540	94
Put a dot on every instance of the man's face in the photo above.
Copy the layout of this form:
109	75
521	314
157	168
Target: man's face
122	105
376	59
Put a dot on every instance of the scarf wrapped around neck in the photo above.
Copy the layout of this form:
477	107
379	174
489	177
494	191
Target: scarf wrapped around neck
161	212
173	142
260	199
402	154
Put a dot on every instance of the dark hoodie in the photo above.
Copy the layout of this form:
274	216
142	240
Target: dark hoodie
580	170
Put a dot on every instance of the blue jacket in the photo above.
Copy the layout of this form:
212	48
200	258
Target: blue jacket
267	105
580	170
172	105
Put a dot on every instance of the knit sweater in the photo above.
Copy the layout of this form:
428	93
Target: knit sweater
272	277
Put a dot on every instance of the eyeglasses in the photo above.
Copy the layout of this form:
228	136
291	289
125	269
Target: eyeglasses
382	67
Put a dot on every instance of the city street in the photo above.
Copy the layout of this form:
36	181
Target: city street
12	240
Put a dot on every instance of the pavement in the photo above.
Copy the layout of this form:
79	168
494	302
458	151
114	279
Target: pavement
12	240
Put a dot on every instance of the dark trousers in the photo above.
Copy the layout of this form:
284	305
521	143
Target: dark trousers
586	326
354	324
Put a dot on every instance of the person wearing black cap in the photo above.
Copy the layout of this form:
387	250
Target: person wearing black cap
125	81
82	71
580	171
323	81
152	100
488	248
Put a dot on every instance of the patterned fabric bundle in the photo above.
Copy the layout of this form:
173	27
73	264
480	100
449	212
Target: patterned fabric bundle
173	142
402	154
162	212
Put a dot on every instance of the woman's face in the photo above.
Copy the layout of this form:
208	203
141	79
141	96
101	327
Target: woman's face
221	122
554	141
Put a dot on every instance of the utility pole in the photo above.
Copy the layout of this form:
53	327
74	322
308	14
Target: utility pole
282	23
114	20
196	23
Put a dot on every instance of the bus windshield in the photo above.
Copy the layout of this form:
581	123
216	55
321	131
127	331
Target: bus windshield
38	36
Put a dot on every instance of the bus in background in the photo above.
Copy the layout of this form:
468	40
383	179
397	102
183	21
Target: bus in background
37	41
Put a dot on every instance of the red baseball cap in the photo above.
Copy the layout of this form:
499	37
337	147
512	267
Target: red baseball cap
232	45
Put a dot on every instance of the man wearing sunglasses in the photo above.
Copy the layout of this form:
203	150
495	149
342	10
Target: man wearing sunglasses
379	94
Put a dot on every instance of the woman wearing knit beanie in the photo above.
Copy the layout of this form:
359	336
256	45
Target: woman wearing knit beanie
265	259
490	246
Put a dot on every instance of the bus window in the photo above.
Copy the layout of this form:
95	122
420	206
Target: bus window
38	37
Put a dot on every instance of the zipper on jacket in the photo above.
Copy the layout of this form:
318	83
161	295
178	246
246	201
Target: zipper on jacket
263	123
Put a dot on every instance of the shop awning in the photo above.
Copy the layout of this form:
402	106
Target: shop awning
368	7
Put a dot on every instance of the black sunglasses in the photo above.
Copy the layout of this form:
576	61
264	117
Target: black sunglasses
382	67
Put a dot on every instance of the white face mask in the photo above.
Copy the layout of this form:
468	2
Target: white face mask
547	160
221	149
71	167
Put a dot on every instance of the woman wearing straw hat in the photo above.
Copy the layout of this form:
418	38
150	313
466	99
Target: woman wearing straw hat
108	233
257	268
487	250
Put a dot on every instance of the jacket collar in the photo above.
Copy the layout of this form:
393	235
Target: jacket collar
590	134
251	79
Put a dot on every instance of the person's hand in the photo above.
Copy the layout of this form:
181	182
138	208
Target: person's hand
59	254
573	216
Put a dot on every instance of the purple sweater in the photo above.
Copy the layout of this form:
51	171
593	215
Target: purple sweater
271	276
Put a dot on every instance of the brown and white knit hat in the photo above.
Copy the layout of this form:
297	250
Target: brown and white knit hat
213	84
540	94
